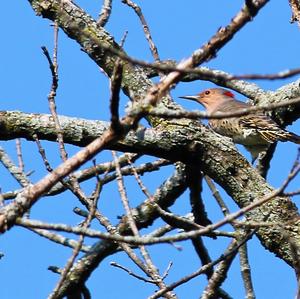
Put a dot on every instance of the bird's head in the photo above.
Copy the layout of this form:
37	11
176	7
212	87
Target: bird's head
212	98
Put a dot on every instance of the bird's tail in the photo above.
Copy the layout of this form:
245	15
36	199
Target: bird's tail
293	137
281	135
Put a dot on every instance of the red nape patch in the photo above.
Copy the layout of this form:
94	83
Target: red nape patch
229	94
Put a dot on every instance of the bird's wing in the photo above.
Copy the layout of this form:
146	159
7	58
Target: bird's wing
264	125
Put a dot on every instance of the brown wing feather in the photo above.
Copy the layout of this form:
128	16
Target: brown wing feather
268	129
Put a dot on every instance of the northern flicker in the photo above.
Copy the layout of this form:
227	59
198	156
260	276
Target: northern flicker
256	131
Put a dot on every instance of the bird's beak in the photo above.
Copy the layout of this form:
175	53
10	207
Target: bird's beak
193	98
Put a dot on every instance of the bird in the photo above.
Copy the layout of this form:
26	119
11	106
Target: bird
255	131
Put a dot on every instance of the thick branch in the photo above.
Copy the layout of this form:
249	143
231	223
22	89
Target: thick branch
192	143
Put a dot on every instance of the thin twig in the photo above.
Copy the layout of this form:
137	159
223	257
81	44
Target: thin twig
168	113
246	273
280	75
219	275
20	155
42	153
116	81
170	218
216	194
104	13
231	249
51	97
166	273
243	249
77	249
293	193
90	172
13	169
146	28
169	66
60	239
53	64
73	184
151	269
114	264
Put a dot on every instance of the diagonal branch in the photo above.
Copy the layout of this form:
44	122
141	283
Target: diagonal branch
99	45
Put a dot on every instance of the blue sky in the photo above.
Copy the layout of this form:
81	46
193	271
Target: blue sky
266	45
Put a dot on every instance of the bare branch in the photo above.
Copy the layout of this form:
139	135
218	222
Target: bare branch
246	273
231	249
104	13
116	81
280	75
79	244
145	26
20	155
14	170
60	239
219	115
220	273
151	270
114	264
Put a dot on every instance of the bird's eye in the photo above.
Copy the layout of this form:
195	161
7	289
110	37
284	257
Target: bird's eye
207	92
